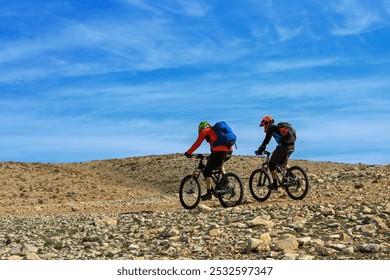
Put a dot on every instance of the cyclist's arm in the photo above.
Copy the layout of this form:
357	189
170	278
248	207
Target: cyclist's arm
268	137
197	143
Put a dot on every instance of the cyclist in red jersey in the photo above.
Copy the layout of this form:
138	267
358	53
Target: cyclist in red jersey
217	156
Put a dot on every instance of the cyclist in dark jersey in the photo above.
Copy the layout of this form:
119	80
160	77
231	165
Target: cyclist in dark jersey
282	149
217	156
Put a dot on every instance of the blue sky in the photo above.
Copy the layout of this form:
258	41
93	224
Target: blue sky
86	80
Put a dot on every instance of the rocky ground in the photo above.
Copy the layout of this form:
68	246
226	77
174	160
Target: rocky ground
129	209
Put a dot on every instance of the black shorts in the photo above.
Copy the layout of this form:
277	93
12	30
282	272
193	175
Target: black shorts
215	162
279	155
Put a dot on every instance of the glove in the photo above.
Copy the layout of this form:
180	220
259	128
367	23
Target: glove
187	154
260	150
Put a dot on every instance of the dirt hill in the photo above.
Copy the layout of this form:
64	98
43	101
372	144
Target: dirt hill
151	183
129	209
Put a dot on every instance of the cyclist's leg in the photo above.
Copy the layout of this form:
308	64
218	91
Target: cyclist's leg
213	163
208	194
285	159
226	157
277	156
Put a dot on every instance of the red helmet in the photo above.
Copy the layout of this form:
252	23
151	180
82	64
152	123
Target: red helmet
266	122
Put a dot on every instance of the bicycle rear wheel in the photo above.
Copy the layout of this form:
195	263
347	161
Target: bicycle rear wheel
231	190
296	183
259	183
189	192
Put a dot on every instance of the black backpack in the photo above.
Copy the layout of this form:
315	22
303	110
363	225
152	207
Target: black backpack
288	132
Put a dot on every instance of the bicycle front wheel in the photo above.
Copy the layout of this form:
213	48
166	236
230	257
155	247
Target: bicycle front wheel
296	183
231	190
189	192
259	183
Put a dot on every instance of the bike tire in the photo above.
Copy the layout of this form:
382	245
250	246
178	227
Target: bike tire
259	183
189	192
298	186
234	190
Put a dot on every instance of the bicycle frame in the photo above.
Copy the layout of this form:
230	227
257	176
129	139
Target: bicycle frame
216	174
265	164
280	168
198	170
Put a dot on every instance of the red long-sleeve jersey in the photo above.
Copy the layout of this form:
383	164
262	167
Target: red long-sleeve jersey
210	134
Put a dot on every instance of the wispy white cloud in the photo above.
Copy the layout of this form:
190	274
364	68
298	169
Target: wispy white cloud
286	34
360	16
288	65
189	8
193	8
108	46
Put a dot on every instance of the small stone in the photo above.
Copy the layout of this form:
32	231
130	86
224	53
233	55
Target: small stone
26	249
325	251
290	256
105	221
259	221
266	237
184	252
204	208
252	244
133	247
338	247
367	210
369	248
32	256
368	229
214	232
328	212
359	186
348	250
172	232
16	251
14	258
288	244
302	241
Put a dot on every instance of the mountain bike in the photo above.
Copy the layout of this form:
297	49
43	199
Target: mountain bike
228	188
293	180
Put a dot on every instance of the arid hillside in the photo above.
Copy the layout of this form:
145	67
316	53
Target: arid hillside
151	183
129	209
